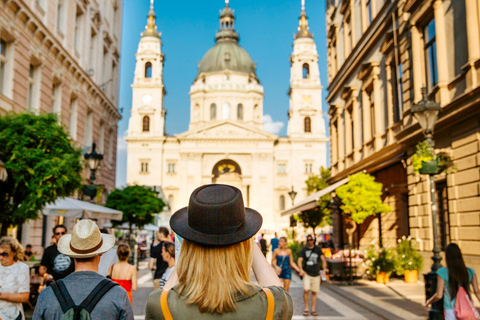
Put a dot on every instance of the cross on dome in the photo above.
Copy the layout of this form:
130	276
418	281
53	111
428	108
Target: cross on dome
151	4
303	5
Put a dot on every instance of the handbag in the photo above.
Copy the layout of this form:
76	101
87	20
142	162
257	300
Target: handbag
281	264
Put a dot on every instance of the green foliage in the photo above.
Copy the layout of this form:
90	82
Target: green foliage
426	153
319	215
296	247
138	204
407	258
361	197
42	165
379	260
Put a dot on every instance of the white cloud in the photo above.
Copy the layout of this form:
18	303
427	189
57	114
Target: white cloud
121	142
272	126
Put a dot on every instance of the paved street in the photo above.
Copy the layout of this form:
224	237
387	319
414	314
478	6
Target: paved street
362	301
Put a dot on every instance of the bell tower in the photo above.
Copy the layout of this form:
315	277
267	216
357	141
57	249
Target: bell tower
148	91
305	113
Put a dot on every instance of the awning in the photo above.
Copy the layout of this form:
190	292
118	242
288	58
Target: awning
311	201
125	226
68	207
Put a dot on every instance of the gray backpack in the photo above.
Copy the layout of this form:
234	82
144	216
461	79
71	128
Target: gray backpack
82	312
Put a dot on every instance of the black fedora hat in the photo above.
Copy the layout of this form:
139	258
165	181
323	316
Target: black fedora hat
216	216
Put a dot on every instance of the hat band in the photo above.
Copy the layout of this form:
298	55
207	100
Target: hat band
218	230
86	251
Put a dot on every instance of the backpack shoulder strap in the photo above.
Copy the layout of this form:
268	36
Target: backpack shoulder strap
63	297
270	303
97	294
164	305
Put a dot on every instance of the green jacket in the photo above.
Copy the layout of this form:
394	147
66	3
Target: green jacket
251	307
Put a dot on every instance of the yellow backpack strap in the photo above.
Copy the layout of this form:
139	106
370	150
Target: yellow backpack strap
164	304
270	303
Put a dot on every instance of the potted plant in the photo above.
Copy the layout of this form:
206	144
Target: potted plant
409	261
380	262
425	161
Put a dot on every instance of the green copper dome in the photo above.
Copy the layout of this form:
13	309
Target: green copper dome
227	53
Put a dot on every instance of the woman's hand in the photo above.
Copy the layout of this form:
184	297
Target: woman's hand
278	269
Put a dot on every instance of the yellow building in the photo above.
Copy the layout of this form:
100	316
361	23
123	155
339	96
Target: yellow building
380	54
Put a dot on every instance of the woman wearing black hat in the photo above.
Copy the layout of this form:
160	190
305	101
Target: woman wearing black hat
212	277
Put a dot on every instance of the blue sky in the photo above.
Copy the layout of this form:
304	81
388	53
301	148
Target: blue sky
188	28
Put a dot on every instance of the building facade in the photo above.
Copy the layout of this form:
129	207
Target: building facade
226	142
63	57
380	55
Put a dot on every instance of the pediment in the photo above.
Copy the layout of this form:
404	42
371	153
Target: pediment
227	130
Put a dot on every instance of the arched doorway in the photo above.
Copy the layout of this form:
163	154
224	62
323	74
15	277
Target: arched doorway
227	172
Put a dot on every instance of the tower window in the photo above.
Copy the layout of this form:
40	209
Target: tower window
146	124
144	167
281	168
171	168
307	124
282	203
226	111
306	70
148	70
240	112
227	56
213	111
308	168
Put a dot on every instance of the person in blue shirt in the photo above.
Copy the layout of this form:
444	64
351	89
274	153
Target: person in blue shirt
274	242
451	278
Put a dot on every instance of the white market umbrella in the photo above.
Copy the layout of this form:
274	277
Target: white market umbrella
68	207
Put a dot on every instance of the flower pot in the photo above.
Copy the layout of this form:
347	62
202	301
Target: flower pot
382	277
411	276
429	167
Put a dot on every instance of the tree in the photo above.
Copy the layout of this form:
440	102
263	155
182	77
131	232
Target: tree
319	215
361	198
42	165
138	204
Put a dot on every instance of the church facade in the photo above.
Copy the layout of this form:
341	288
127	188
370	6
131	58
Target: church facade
226	142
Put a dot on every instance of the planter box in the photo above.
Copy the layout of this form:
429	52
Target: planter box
429	167
411	276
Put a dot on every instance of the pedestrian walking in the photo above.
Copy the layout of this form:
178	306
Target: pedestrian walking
263	245
168	255
309	263
101	298
55	265
107	259
29	254
282	261
124	273
156	261
15	279
451	279
212	276
274	242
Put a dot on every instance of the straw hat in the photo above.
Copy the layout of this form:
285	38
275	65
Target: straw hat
86	241
216	216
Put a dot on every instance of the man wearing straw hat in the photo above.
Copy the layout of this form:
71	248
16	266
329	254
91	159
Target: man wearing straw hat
85	245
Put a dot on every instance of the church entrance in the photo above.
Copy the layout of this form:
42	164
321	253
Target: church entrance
228	172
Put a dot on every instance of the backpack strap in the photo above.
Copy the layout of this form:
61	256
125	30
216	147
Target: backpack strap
164	305
270	303
97	294
63	297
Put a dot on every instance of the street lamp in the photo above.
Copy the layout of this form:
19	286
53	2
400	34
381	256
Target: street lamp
292	195
426	112
94	160
3	170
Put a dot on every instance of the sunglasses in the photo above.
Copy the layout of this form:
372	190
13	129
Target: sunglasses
60	233
4	254
309	239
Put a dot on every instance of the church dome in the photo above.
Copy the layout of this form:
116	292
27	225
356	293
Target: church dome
227	55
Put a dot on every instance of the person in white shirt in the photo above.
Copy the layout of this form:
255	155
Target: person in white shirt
15	279
168	255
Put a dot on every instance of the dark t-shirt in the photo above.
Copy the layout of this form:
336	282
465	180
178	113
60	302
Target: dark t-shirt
263	245
311	265
58	264
161	265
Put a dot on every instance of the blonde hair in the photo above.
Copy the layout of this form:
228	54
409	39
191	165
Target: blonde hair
15	247
211	277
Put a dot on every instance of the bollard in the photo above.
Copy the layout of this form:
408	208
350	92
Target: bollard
436	309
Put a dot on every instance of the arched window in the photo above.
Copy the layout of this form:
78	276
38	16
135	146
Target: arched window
240	112
282	202
148	70
306	71
146	124
226	111
213	111
307	124
170	201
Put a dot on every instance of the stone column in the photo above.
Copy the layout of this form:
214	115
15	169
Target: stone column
416	65
367	131
357	134
390	103
341	139
442	62
379	116
333	140
473	38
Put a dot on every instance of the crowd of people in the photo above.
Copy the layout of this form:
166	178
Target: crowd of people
85	273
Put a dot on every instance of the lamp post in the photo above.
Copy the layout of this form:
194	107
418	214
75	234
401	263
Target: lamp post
292	195
3	169
94	160
293	222
426	112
